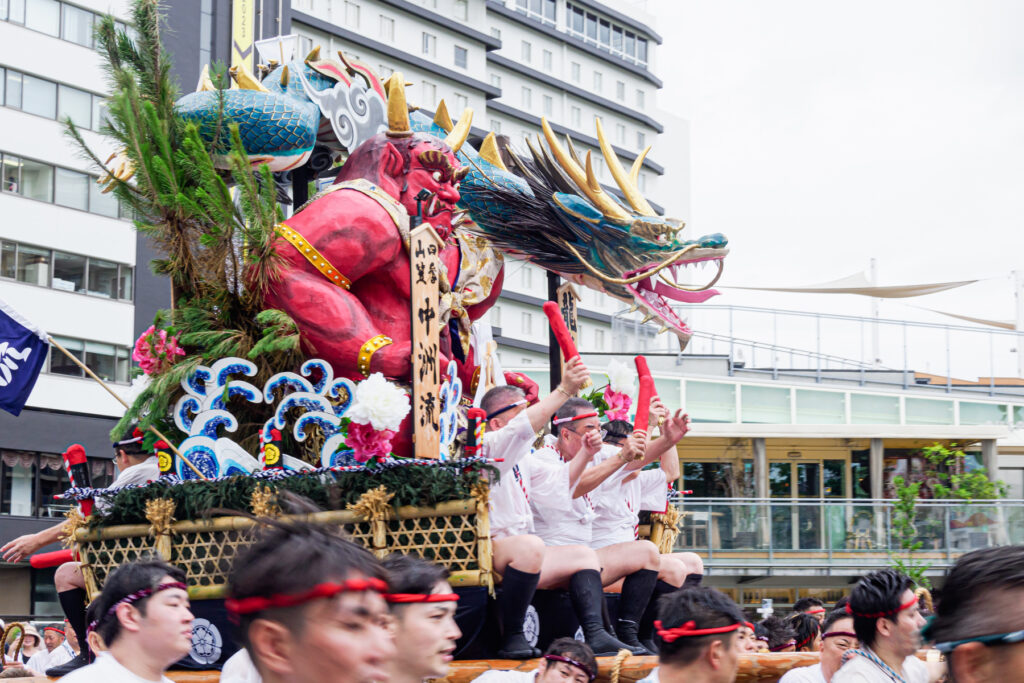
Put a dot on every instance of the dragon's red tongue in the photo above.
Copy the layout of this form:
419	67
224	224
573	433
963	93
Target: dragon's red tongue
683	295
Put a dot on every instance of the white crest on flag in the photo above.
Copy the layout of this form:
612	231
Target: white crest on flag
7	366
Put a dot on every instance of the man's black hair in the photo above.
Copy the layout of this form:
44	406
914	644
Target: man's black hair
500	396
806	628
780	632
122	582
832	617
706	608
975	586
571	408
877	593
804	604
618	429
294	557
411	574
841	603
135	449
573	649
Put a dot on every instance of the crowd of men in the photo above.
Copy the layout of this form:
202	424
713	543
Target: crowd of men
312	606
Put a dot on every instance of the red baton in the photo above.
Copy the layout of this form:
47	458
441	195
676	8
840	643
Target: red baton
562	335
52	559
643	403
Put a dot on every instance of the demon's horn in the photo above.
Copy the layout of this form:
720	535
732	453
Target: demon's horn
489	151
398	110
442	118
458	135
205	82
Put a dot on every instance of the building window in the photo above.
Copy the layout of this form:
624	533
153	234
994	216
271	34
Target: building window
496	80
620	91
38	96
496	316
639	99
76	26
461	57
496	126
108	361
527	98
547	59
429	93
74	104
384	71
461	103
53	100
620	133
574	68
526	51
496	33
429	46
527	323
598	82
606	35
351	15
526	277
387	29
71	272
574	116
643	182
43	16
599	340
460	10
18	495
71	189
641	140
549	105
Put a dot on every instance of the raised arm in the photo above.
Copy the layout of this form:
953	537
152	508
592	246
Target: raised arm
663	448
596	475
575	376
23	546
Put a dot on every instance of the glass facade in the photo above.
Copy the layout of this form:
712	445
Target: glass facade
71	272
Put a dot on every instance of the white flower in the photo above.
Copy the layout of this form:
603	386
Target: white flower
379	403
139	385
620	377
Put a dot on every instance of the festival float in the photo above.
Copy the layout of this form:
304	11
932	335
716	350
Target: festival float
336	353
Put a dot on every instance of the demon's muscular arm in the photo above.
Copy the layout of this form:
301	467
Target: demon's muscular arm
359	238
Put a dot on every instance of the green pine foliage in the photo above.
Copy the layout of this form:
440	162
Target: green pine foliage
421	485
213	228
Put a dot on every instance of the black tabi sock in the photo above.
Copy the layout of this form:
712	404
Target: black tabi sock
586	594
692	580
651	613
73	604
517	589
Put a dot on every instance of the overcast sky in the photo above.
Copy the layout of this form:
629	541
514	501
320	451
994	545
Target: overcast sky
824	134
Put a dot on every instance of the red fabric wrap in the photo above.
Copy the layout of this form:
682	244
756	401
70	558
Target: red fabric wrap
406	598
75	455
258	603
51	559
643	404
690	629
558	326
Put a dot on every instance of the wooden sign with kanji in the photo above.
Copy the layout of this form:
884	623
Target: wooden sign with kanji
425	274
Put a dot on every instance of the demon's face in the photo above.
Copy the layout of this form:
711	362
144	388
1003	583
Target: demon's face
431	184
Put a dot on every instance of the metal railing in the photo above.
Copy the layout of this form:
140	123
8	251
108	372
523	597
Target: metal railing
821	531
826	346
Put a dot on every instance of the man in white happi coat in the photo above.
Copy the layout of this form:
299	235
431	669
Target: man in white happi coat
837	637
520	557
564	512
887	621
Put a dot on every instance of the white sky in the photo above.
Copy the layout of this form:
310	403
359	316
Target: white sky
826	133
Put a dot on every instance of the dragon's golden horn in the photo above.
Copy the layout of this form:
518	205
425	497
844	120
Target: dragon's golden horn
442	118
205	82
629	188
398	110
489	151
458	135
244	78
634	172
592	181
284	77
597	197
648	318
314	55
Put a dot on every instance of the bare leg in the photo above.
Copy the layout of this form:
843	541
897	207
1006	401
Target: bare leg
692	561
562	561
623	559
525	553
68	577
673	570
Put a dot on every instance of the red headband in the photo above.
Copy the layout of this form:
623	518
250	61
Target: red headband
882	615
690	629
779	648
815	610
833	634
581	416
807	640
404	598
53	628
258	603
572	662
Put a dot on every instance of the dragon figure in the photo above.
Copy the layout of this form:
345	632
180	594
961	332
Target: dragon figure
345	278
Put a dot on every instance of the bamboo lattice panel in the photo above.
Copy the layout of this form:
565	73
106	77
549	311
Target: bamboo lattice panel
104	556
450	541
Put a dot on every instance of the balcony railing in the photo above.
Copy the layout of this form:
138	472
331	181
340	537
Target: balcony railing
837	532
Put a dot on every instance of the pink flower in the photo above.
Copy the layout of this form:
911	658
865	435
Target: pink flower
618	404
368	443
155	352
